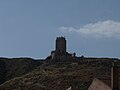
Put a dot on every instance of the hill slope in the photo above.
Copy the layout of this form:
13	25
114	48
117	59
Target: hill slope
60	76
15	67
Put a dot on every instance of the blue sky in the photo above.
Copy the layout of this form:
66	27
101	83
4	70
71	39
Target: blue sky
28	28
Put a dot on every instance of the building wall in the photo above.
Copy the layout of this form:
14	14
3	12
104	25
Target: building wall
99	85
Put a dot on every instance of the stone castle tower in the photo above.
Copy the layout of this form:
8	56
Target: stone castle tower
60	45
60	49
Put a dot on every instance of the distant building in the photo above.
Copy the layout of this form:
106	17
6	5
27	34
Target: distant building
100	85
60	49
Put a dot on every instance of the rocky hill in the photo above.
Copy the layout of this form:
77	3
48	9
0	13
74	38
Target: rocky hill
29	74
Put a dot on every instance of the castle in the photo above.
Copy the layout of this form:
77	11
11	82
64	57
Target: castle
60	50
60	54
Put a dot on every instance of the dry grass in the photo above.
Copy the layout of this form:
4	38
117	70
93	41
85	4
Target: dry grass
77	75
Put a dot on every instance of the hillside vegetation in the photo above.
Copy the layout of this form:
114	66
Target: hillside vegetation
29	74
15	67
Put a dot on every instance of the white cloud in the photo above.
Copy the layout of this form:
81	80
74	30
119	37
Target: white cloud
108	28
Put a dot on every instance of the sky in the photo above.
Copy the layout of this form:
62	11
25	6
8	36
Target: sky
28	28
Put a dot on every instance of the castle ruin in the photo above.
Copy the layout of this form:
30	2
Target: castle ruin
60	49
